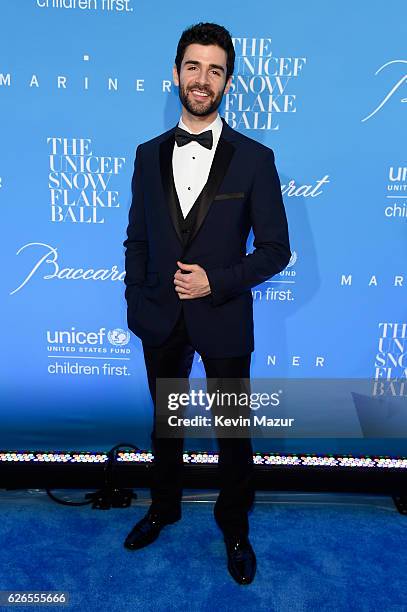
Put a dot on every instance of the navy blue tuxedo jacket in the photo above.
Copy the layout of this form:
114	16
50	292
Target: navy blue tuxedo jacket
242	192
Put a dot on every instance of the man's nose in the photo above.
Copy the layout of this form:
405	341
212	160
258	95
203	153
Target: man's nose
203	79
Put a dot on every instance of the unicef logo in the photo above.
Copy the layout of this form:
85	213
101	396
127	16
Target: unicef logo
293	259
118	337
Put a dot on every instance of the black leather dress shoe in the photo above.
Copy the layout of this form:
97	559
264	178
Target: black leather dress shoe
147	530
241	558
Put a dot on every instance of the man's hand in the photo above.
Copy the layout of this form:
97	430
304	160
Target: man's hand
192	285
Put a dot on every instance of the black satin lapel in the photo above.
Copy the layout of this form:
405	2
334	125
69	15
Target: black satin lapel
222	158
166	151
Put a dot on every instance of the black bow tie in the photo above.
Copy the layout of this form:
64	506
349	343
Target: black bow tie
182	137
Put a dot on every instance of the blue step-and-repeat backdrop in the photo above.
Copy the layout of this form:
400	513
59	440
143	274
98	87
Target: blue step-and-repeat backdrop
82	83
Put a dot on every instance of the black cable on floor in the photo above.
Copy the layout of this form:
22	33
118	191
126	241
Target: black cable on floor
108	487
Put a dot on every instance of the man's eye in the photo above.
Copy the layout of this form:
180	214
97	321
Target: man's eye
215	72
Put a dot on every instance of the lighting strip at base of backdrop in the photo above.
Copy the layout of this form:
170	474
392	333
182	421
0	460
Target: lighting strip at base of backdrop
194	458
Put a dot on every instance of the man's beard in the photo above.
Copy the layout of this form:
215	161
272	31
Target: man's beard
200	109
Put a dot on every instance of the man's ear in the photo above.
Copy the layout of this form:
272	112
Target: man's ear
175	75
228	84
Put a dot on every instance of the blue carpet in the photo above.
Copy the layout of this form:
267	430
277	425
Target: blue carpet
331	552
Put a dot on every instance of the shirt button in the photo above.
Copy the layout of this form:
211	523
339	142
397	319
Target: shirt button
189	188
193	157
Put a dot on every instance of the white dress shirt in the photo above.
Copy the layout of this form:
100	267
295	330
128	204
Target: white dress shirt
191	165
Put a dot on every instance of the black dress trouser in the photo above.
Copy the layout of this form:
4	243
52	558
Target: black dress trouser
173	359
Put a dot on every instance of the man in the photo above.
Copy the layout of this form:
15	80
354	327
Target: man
198	189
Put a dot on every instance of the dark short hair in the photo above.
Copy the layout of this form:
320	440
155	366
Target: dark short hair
207	34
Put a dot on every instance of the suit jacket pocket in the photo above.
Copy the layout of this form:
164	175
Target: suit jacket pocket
230	196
